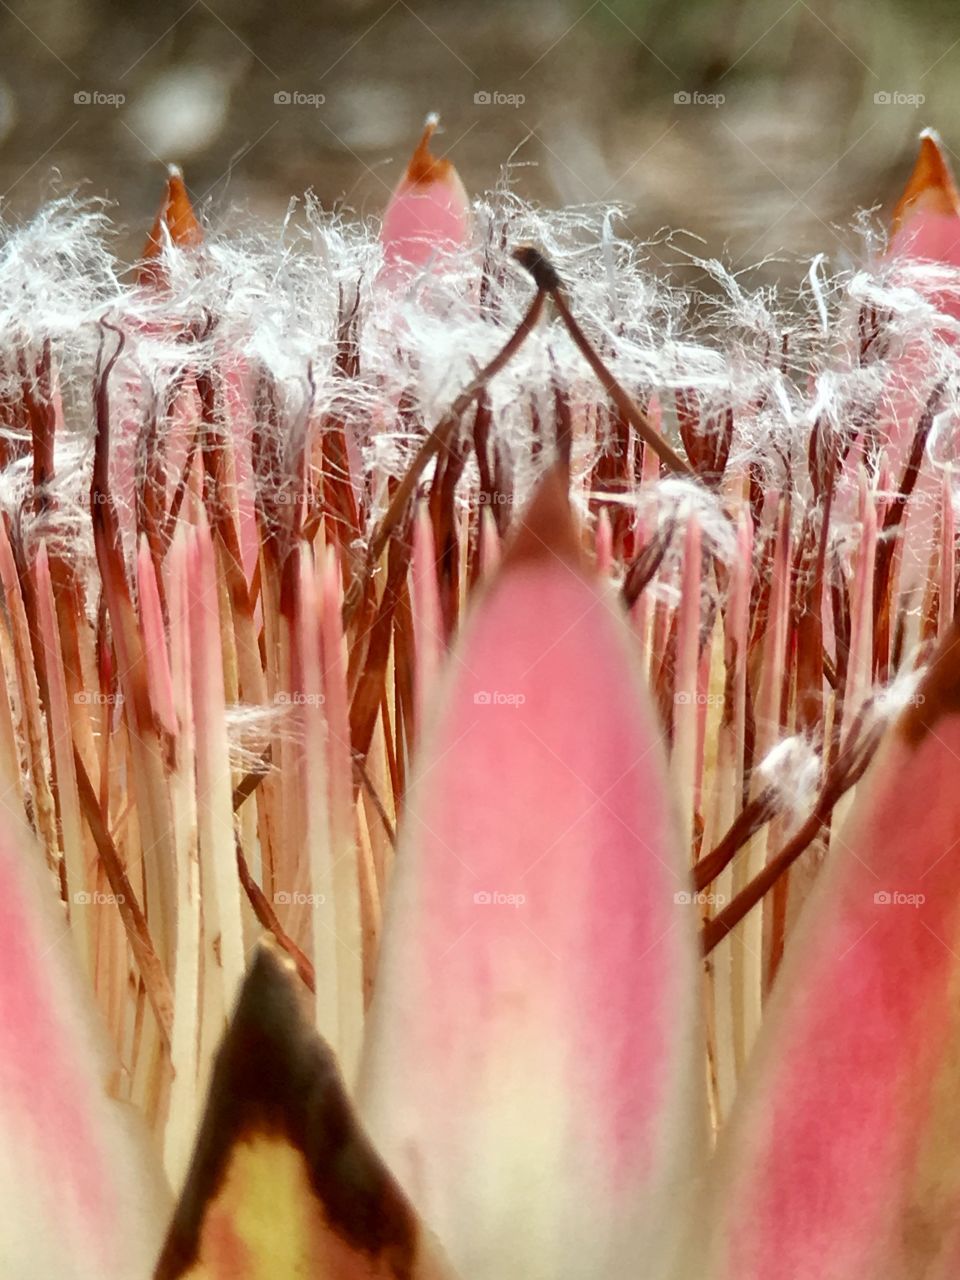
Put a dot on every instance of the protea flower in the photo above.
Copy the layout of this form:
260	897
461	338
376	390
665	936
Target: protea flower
478	750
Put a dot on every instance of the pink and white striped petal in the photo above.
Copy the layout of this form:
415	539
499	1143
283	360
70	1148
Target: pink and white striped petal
81	1193
532	1071
843	1157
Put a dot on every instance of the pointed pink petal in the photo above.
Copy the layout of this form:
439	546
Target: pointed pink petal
925	225
841	1163
926	221
428	213
175	224
532	1072
81	1195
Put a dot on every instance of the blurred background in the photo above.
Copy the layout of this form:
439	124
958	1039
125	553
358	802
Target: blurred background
759	126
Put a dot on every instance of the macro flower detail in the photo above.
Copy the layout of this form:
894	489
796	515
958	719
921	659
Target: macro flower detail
492	1025
427	215
477	749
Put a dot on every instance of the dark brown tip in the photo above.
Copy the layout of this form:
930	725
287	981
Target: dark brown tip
544	273
177	216
274	1076
548	528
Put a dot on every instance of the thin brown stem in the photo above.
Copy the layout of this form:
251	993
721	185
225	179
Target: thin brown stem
435	441
547	280
848	770
155	980
268	918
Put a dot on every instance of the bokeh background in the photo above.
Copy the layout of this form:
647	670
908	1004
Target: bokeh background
760	126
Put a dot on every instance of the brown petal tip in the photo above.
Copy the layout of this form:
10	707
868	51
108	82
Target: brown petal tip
176	219
931	187
548	528
276	1082
424	166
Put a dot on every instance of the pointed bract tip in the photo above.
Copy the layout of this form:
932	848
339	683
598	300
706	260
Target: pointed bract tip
424	166
427	215
279	1124
931	187
176	219
271	973
548	527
